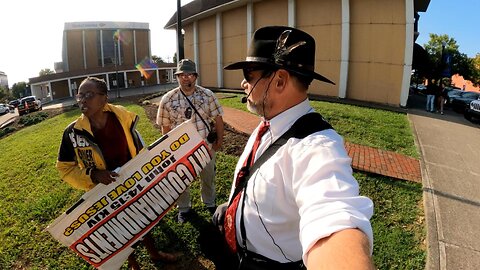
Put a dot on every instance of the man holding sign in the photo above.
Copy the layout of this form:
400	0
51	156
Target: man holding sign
101	140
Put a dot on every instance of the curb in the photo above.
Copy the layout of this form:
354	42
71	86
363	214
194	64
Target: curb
430	213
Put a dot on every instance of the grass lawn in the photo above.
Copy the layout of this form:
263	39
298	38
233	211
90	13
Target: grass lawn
32	195
366	126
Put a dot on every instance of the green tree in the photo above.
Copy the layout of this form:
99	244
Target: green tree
19	89
45	71
157	59
3	93
476	75
460	62
476	61
435	44
175	58
467	68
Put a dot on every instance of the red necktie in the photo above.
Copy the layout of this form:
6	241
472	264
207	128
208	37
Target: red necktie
230	214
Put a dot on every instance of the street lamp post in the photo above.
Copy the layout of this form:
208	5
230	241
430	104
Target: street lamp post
115	45
442	58
180	48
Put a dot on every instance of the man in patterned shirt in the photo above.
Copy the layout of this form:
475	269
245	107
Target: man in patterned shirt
174	109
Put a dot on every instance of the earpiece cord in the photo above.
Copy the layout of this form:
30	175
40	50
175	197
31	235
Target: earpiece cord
265	94
242	226
245	99
263	223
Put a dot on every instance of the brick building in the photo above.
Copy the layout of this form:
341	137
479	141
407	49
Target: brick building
365	47
110	50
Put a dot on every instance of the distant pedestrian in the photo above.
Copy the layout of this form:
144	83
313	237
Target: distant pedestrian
430	92
440	96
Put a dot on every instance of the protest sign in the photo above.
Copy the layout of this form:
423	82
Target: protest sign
104	224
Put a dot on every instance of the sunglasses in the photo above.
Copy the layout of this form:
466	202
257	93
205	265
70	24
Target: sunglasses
87	96
247	73
186	75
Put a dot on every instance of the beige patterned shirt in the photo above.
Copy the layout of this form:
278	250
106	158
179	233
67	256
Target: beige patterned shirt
173	106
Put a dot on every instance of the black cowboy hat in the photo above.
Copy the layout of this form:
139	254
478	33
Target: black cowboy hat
282	47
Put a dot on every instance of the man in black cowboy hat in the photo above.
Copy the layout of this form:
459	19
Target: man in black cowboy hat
294	201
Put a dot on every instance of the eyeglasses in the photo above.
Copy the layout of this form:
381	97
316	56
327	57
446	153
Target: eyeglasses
188	113
87	96
186	75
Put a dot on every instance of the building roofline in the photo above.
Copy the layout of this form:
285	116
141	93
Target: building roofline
202	8
105	25
420	5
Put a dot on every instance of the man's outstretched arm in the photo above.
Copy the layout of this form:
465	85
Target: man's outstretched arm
347	249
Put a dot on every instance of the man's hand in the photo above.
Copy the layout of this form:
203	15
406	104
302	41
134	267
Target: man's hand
219	128
103	176
219	216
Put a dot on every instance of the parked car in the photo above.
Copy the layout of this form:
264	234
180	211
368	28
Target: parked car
29	104
450	94
473	111
418	88
4	109
14	103
461	103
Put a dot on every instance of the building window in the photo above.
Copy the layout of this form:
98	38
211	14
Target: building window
109	48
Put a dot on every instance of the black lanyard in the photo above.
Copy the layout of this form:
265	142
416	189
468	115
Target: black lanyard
195	109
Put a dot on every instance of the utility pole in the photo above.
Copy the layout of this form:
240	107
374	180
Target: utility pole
180	54
115	45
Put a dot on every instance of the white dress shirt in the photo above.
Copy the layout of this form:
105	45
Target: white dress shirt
303	193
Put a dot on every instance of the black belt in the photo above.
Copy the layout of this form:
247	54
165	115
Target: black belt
253	261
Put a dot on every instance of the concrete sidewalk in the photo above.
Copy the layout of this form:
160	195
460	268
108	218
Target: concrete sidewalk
450	154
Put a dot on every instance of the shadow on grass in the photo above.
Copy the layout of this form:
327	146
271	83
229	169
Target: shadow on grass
211	242
198	243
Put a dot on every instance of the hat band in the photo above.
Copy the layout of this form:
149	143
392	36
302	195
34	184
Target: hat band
297	65
280	64
258	59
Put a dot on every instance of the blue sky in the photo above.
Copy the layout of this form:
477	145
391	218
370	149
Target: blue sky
32	40
458	19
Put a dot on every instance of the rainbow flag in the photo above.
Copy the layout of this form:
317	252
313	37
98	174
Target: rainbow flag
146	67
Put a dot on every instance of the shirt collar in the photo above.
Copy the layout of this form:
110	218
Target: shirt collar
282	122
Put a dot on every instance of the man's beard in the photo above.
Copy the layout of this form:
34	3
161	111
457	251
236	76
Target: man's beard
257	107
252	107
